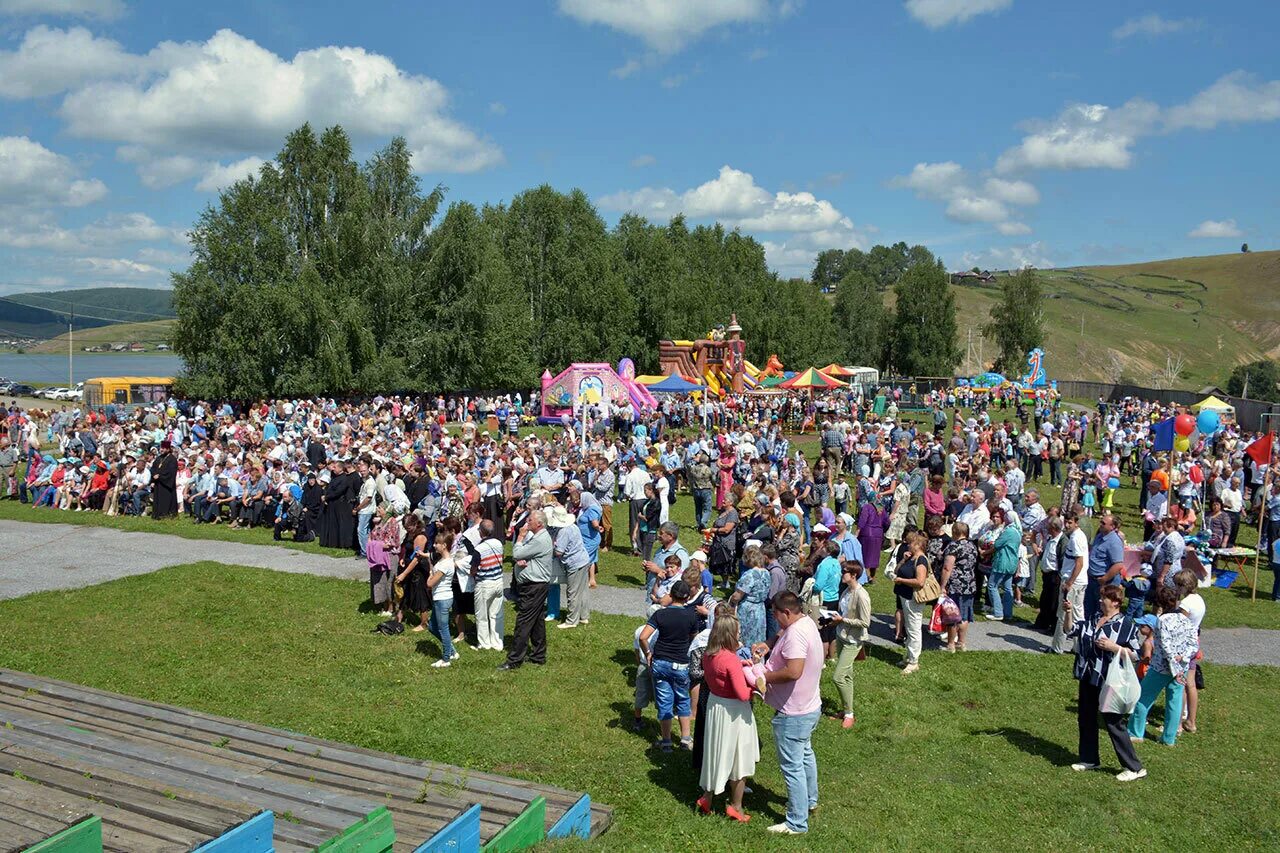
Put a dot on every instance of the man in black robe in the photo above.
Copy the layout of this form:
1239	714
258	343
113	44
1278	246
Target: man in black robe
332	497
350	500
164	483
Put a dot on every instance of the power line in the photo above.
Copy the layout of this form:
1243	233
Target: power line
76	307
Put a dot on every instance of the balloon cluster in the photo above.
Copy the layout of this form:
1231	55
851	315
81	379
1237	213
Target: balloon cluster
1189	429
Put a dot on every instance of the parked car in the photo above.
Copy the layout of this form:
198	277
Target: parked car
17	389
52	392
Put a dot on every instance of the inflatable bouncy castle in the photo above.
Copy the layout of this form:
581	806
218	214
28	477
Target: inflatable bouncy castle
592	382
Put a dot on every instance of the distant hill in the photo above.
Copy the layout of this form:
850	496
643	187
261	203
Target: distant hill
1214	312
45	315
149	334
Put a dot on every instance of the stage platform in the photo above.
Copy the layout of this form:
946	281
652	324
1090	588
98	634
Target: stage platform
163	778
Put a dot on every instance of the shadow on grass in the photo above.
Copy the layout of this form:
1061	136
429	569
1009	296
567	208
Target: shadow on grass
630	580
1032	744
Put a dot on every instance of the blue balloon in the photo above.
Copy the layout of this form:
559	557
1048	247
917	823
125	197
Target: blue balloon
1208	422
1113	483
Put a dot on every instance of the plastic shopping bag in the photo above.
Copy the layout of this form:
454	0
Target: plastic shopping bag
1121	689
950	611
935	621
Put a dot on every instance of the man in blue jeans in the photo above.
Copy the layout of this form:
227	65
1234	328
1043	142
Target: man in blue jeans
668	660
791	678
1106	559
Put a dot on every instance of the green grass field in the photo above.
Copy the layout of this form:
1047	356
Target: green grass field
970	753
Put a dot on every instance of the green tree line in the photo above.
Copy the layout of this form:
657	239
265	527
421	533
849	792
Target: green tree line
320	275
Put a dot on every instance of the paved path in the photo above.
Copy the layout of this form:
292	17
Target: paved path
38	557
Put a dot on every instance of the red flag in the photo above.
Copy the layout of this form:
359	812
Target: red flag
1260	450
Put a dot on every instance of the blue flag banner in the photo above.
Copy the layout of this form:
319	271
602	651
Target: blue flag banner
1162	433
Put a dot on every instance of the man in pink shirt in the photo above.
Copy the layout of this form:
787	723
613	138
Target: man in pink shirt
791	675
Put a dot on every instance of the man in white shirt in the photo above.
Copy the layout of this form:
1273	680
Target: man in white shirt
1074	575
365	505
633	490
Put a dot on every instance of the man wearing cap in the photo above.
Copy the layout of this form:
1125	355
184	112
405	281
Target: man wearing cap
701	482
533	555
602	482
569	552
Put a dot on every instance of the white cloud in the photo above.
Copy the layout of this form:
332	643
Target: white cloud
164	257
1235	98
229	95
118	267
626	69
643	161
1083	136
935	14
219	177
1216	228
33	176
1153	24
1013	229
34	230
1013	192
106	10
667	26
966	208
50	60
734	199
967	201
157	171
1008	258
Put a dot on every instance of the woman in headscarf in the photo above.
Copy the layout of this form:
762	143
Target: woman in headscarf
312	508
871	524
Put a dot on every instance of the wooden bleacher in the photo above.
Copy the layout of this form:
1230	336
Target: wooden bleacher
163	778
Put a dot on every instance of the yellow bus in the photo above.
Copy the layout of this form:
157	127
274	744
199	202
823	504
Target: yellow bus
127	390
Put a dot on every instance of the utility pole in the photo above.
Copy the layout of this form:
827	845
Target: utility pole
71	337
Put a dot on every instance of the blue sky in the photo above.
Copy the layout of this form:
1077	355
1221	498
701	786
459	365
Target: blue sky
997	132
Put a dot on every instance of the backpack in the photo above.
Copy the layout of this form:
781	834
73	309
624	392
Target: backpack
391	627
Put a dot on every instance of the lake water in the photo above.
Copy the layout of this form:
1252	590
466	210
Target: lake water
87	365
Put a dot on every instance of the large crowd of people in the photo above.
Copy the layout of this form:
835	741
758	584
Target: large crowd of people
443	496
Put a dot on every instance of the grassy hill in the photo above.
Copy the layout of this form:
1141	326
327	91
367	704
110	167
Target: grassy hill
44	315
149	333
1214	312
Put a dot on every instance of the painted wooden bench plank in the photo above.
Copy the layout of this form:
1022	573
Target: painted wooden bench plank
373	833
576	821
460	835
82	837
523	832
252	836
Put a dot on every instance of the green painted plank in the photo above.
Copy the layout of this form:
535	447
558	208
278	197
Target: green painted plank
522	833
373	833
82	837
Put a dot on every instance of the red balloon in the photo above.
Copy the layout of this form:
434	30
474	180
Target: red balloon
1184	425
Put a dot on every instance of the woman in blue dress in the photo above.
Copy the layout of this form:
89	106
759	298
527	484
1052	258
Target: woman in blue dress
589	523
749	597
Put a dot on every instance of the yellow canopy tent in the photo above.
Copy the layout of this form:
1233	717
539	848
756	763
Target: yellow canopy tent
1213	404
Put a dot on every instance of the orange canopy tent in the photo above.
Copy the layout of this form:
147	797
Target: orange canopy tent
834	369
813	378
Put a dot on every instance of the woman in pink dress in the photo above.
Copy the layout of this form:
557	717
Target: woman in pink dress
728	460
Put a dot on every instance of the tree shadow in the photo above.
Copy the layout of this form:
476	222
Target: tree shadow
1032	744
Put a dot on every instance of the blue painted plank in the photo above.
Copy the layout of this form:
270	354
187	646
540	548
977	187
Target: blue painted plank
460	835
576	821
252	836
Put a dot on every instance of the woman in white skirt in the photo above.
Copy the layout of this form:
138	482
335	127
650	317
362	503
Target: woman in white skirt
732	747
